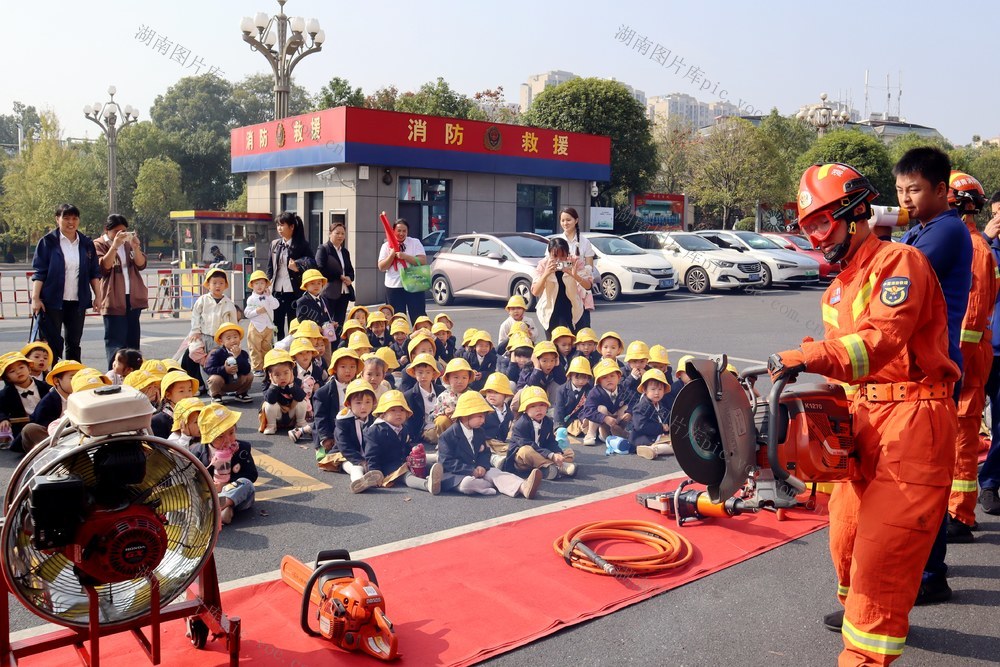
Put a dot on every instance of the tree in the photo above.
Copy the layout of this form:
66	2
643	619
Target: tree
26	117
736	169
863	152
675	145
495	107
791	138
436	98
904	142
157	192
985	166
338	93
252	100
383	98
603	107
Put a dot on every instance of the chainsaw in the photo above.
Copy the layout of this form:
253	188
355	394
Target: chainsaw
351	607
754	455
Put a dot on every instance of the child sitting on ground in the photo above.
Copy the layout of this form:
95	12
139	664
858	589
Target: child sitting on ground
126	360
400	332
39	356
387	310
636	357
387	444
373	370
611	345
423	323
516	309
260	311
146	382
348	438
564	340
442	335
284	402
20	395
545	372
516	358
228	366
659	359
496	391
184	429
421	398
358	341
533	441
482	359
570	399
391	364
358	314
651	418
457	376
350	328
328	399
605	407
175	386
463	453
229	461
310	372
420	343
450	345
51	406
378	334
312	306
586	346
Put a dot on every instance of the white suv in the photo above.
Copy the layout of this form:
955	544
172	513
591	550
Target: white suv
778	266
700	264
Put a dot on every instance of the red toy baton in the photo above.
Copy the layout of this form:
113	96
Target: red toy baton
390	237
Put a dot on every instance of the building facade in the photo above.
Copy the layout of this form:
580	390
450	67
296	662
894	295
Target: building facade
697	114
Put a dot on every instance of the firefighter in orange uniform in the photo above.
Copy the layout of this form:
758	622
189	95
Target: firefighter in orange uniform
886	331
967	196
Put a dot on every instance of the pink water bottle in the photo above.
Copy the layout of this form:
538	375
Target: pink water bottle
417	461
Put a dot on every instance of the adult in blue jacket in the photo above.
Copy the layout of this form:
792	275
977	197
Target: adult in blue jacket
66	274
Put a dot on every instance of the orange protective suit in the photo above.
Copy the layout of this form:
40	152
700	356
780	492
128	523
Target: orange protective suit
885	322
977	357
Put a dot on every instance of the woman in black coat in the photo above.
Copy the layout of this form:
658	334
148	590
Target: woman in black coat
288	257
334	262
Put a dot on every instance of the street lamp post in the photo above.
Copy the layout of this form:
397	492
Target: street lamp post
283	51
823	116
106	117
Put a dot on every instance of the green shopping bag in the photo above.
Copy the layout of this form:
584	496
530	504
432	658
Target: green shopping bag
416	278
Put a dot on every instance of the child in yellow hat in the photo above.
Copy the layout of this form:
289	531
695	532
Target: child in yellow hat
345	364
349	438
388	442
229	460
378	330
39	356
310	372
175	386
20	395
50	409
516	358
497	392
651	417
456	377
570	399
637	359
212	309
312	307
284	401
482	358
422	398
228	366
533	443
606	408
586	345
260	308
184	427
516	309
545	371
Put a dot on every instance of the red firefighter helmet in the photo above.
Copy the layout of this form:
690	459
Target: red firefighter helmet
963	190
830	194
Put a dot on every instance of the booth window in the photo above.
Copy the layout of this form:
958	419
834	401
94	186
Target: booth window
289	202
424	202
536	209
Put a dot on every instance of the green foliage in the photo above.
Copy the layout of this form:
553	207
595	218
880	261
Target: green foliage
675	146
790	137
745	224
603	107
26	116
904	142
494	107
240	202
863	152
337	93
253	100
985	166
157	192
383	98
436	98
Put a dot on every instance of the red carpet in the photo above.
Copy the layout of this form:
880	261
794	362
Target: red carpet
466	598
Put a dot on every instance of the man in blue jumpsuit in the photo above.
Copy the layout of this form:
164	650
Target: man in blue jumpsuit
989	474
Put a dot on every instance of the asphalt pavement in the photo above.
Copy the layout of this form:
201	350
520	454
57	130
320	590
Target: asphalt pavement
764	611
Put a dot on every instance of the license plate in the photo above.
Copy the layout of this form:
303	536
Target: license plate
812	273
754	277
666	283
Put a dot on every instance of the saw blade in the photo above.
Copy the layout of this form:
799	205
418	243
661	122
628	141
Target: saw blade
694	433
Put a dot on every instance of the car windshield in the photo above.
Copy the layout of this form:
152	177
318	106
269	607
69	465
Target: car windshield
757	242
526	246
799	242
615	246
694	243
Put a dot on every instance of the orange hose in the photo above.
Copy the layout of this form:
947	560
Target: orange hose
669	550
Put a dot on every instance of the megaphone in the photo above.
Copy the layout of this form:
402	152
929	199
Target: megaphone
888	216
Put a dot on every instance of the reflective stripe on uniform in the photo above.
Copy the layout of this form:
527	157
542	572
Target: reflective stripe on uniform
866	641
863	298
830	315
858	354
842	590
963	485
996	271
970	336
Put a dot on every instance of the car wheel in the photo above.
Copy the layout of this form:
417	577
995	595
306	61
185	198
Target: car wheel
697	281
611	289
765	273
441	291
522	288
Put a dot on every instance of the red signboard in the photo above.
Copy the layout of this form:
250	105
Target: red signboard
658	210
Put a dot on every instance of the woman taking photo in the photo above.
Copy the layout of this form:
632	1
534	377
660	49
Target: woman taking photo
561	281
289	256
411	253
334	262
579	246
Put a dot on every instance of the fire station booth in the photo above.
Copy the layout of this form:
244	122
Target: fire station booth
444	176
237	236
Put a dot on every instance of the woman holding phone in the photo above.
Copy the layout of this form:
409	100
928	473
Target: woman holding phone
123	291
561	281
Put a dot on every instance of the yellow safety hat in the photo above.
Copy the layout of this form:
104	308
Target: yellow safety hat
359	341
400	316
342	353
467	336
93	371
455	365
682	363
440	327
184	409
658	355
9	358
228	326
471	403
171	365
85	381
293	325
384	307
419	336
377	316
399	326
351	326
139	379
211	273
354	311
173	377
531	395
497	382
258	275
423	319
586	335
298	345
516	301
358	386
559	332
519	340
423	359
38	345
388	356
580	365
392	399
308	329
606	367
155	367
653	374
612	334
444	316
311	276
544	347
275	357
64	366
732	369
479	336
637	350
215	420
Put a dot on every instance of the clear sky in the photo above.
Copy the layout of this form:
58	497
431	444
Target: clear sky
63	54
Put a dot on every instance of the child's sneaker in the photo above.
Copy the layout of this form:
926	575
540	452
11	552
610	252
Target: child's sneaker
227	516
217	399
366	481
590	441
568	469
243	398
434	479
270	430
529	487
551	472
646	452
295	434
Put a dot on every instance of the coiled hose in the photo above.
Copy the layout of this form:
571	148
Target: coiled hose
669	550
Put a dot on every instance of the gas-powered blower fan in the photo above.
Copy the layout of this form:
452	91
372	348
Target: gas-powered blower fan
765	453
104	525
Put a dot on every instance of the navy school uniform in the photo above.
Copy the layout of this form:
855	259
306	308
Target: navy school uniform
215	364
523	434
286	395
445	351
379	341
399	349
507	366
485	367
385	450
346	439
630	385
671	396
243	465
534	377
648	421
325	405
49	409
162	422
569	403
415	399
310	307
11	407
597	397
457	456
497	428
593	357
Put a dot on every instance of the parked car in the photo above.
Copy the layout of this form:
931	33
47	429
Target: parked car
778	266
626	268
486	266
801	244
432	242
700	264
